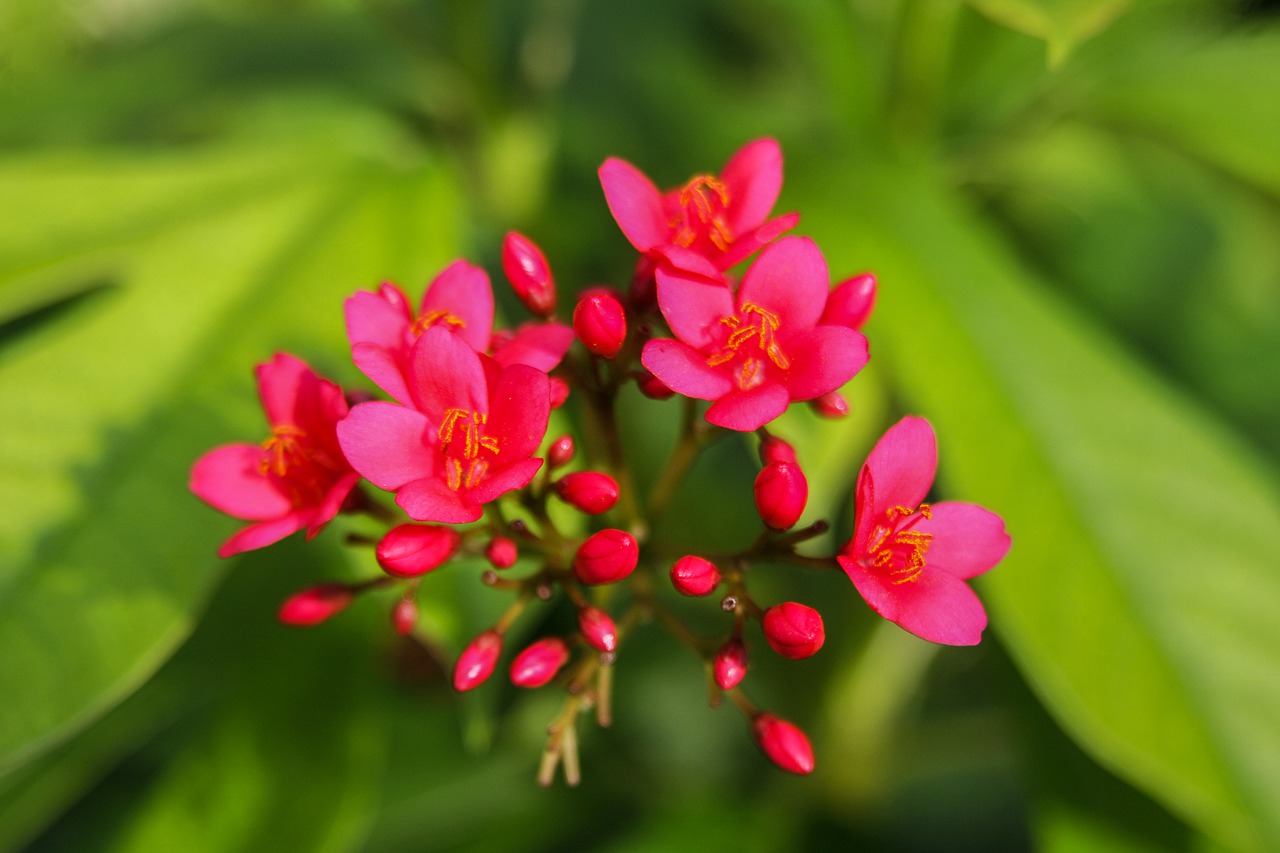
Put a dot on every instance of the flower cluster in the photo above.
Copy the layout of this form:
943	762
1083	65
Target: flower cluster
461	441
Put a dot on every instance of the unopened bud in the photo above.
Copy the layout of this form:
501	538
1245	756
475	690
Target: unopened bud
781	492
404	615
598	629
730	665
526	268
783	743
410	550
692	575
589	491
774	449
653	387
606	557
477	661
501	552
830	405
315	604
600	322
850	303
561	451
793	630
559	391
539	663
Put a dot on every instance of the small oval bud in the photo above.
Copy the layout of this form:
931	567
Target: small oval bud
589	491
793	630
850	303
559	391
600	322
606	557
477	661
315	604
774	449
526	268
692	575
830	405
730	665
539	663
561	451
404	615
653	387
781	492
501	552
410	550
783	743
598	629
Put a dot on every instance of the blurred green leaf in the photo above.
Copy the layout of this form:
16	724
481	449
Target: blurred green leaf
1062	24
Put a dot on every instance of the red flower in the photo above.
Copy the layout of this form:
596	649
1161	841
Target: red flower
910	560
724	219
297	478
756	351
468	439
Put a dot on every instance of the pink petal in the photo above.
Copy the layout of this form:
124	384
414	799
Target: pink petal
464	291
332	503
904	462
693	308
937	607
431	499
371	319
748	243
790	279
519	409
496	483
230	480
753	177
540	345
967	539
635	203
688	264
389	445
864	513
445	373
822	359
685	370
381	366
263	533
749	410
279	382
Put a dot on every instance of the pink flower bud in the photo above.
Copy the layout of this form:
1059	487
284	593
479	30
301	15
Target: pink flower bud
831	405
606	557
410	550
561	451
598	629
526	268
774	449
477	661
315	604
404	615
653	387
692	575
501	552
851	302
783	743
730	665
539	663
600	322
793	630
589	491
781	492
559	391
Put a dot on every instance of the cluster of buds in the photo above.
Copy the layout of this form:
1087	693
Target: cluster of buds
459	436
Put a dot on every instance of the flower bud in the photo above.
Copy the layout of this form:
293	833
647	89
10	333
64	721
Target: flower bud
526	268
404	615
781	492
477	661
315	604
539	663
644	286
730	665
606	557
653	387
793	630
410	550
501	552
561	451
774	449
783	743
598	629
830	405
692	575
559	391
600	322
589	491
851	302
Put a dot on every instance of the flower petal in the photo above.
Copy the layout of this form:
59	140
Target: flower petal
822	359
753	178
519	409
279	384
693	307
685	370
389	445
903	462
264	533
431	499
790	279
748	243
540	345
373	319
496	483
332	503
749	410
230	480
463	290
445	373
967	539
381	366
635	203
936	606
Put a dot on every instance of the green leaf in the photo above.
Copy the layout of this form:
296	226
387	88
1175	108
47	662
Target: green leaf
1062	24
1140	594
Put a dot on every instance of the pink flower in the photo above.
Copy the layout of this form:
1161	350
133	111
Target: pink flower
468	438
297	478
756	351
724	219
539	345
910	560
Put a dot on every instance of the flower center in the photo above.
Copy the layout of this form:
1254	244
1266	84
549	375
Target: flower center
897	550
285	450
436	317
462	441
754	341
703	202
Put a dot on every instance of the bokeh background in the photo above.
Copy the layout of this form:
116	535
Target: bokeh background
1073	207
